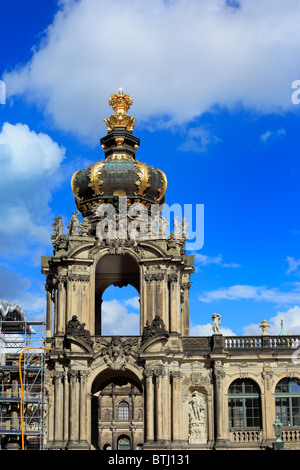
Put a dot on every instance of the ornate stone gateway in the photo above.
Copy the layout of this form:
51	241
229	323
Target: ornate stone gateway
161	389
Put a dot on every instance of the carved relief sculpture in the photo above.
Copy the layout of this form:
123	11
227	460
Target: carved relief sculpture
197	422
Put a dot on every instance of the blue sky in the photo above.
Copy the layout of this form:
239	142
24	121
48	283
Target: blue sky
212	86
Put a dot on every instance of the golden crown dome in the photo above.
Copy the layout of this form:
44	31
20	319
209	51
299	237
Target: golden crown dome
120	174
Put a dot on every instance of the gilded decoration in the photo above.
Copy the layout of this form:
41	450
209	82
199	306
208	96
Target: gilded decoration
120	104
163	189
94	176
143	174
75	189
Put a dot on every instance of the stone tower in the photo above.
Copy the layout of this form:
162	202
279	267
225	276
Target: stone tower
116	392
161	389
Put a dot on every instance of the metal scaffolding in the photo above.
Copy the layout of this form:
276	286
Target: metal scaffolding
22	384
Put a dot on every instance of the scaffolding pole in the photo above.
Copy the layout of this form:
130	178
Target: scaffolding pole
22	385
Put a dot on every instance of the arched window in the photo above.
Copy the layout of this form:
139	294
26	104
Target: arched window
244	405
117	287
123	411
120	311
124	443
287	402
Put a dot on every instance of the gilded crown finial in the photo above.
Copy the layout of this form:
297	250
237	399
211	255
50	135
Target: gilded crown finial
120	103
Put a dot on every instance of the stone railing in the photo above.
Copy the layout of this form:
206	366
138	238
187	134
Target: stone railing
240	343
261	342
291	435
246	436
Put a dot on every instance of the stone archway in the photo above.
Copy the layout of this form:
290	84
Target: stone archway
117	270
117	409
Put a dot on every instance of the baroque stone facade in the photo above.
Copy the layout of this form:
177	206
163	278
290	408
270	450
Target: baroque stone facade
162	389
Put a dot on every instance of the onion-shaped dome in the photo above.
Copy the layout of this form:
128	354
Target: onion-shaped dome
120	174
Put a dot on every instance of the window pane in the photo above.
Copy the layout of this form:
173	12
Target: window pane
296	411
236	413
252	412
236	387
282	411
295	387
123	411
282	386
250	387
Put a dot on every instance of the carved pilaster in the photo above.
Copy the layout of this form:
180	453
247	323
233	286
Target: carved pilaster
74	407
149	408
58	376
219	376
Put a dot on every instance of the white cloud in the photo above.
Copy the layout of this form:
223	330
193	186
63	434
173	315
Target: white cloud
268	135
133	302
116	320
291	323
255	293
29	161
206	330
198	140
29	294
205	260
175	58
293	265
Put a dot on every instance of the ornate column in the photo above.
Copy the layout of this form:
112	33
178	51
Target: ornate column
73	409
66	407
83	443
175	406
159	373
185	286
175	320
219	375
149	406
268	408
149	313
49	307
61	303
58	409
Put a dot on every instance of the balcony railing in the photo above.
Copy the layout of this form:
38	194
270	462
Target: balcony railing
246	436
261	342
205	344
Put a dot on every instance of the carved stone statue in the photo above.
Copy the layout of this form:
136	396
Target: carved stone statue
157	327
177	228
184	226
216	318
73	226
58	227
59	239
85	226
77	329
